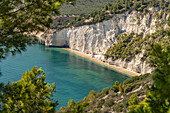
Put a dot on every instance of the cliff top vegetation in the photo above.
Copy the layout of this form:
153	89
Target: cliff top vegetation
107	12
83	6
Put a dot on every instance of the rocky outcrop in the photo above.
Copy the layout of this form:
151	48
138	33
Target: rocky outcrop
135	65
96	39
52	38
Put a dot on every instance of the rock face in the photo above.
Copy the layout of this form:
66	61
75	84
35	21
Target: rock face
96	39
52	38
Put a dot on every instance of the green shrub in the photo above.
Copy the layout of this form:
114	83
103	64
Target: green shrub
92	95
99	105
95	111
134	100
115	87
106	110
71	103
129	88
109	103
131	80
119	108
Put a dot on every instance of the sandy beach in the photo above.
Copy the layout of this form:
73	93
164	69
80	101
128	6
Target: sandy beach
122	70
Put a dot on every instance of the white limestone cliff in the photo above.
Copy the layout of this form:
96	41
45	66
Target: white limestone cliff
96	39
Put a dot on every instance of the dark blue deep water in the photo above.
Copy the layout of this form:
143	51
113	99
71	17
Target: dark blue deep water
73	75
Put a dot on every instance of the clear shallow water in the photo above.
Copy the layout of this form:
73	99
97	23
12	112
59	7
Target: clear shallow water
73	75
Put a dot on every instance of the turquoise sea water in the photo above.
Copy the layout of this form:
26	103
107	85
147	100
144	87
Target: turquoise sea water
73	75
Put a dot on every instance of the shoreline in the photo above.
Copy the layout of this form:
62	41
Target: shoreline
122	70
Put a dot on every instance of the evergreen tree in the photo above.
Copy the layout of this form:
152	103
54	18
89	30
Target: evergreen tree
71	103
126	4
117	4
159	98
31	94
20	18
92	95
154	3
162	3
78	18
106	7
135	4
118	1
142	1
123	1
143	107
114	10
134	100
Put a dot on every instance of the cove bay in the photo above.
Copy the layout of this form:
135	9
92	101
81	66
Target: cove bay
74	76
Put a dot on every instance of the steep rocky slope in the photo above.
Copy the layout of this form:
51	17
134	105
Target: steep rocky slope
96	39
115	99
148	93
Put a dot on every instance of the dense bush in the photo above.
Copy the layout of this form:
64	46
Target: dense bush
115	87
92	95
105	91
119	108
129	88
131	80
109	103
134	100
100	104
